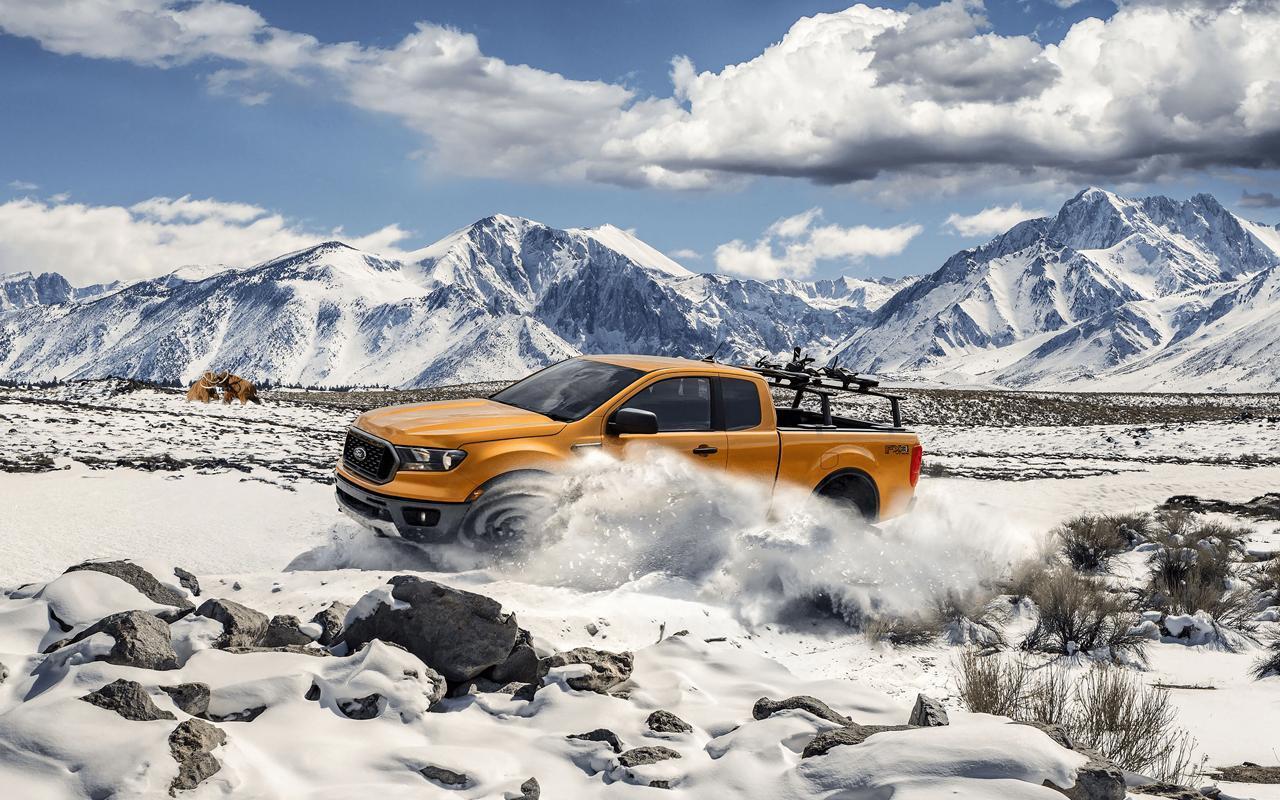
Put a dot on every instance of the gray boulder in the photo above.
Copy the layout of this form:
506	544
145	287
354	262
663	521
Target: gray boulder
444	777
141	640
284	630
4	672
192	744
530	790
765	708
330	620
639	756
192	698
241	625
1098	779
138	578
459	634
128	699
366	707
607	669
600	735
665	722
851	734
521	664
187	581
928	713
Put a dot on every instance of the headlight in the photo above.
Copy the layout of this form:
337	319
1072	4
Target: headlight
429	459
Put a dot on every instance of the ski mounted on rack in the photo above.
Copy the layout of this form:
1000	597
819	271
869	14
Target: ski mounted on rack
823	383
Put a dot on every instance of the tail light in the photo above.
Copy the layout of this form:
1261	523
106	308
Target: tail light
917	457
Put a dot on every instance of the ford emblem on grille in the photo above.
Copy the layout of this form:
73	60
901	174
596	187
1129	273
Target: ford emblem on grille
359	453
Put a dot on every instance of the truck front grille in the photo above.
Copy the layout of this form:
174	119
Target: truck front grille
368	457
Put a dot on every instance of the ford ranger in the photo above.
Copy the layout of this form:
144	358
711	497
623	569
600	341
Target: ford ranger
460	469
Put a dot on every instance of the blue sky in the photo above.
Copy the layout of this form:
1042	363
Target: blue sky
108	125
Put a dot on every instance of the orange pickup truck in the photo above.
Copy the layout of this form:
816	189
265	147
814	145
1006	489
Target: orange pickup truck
468	469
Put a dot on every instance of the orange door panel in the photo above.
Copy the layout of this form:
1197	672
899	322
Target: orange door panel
707	447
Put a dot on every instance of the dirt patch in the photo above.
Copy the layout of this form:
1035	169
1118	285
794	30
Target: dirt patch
1248	772
1266	507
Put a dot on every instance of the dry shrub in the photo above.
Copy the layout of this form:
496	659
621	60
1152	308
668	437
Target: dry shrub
901	631
1265	579
991	684
1079	614
1269	664
1090	541
1025	577
1107	709
1136	727
969	617
1192	568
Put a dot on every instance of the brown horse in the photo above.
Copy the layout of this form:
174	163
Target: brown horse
232	387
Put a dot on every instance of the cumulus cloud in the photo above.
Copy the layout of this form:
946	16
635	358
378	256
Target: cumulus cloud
92	244
23	186
993	220
1157	89
1259	199
793	246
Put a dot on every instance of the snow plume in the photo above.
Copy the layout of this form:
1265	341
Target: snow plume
618	521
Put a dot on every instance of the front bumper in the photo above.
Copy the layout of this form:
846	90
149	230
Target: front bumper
415	520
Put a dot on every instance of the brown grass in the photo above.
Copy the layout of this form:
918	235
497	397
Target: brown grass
1076	613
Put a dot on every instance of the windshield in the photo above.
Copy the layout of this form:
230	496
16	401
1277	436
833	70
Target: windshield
570	390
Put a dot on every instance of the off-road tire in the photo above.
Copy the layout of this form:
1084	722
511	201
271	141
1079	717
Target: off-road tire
509	514
855	491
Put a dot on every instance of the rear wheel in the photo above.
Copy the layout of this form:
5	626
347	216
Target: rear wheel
855	492
508	515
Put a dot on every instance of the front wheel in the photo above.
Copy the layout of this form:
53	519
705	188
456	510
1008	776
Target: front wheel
509	515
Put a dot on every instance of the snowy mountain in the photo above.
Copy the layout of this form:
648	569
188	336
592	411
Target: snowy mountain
496	299
1108	293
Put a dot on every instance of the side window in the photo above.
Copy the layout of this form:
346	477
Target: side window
681	404
741	404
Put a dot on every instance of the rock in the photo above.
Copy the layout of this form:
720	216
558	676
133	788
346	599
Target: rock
1098	779
660	783
284	630
445	777
138	578
639	756
128	699
1168	790
192	744
4	672
600	735
241	625
243	715
765	708
361	707
187	581
851	734
458	634
330	621
607	669
526	692
665	722
928	713
141	640
521	665
192	698
296	649
530	790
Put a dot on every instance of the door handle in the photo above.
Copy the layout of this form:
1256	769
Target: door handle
705	450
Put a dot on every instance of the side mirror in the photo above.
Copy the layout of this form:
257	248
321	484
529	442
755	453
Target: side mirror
633	420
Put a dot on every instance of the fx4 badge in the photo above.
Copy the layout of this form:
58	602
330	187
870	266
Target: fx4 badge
897	449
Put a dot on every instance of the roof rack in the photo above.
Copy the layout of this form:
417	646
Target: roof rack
823	383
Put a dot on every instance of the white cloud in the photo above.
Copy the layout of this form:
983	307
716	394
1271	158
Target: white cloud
685	254
23	186
1157	89
793	246
993	220
92	244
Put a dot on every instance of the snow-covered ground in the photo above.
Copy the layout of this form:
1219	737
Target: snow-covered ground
238	496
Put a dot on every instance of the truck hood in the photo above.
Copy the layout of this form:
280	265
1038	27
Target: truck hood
448	423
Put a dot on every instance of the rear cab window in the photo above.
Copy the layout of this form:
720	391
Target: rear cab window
741	404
